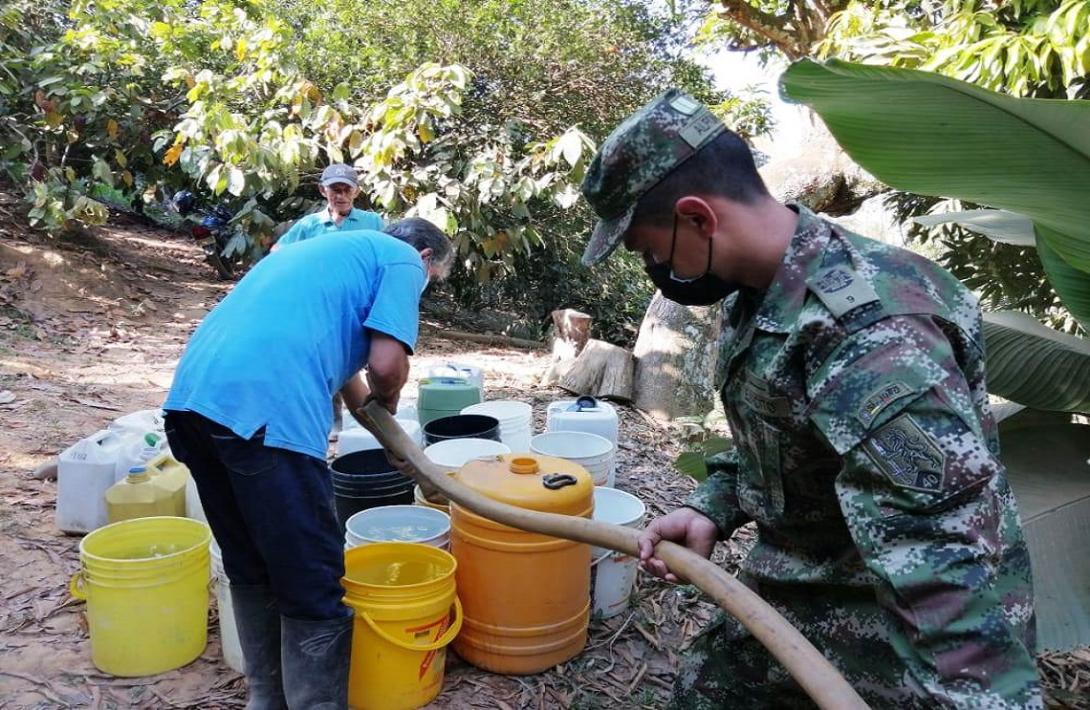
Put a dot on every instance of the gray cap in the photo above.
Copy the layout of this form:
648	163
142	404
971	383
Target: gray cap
645	148
339	172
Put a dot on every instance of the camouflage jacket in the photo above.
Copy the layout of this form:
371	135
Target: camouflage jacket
867	455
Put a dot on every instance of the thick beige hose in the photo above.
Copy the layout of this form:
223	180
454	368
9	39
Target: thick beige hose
810	669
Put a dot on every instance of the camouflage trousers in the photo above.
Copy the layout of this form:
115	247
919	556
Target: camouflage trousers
726	668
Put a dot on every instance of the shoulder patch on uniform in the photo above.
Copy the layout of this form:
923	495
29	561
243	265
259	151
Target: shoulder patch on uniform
881	398
841	289
907	455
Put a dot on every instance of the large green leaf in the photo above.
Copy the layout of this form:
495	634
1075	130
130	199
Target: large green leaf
932	135
1072	285
1036	366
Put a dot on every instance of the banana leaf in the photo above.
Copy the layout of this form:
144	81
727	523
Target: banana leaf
1036	366
998	225
932	135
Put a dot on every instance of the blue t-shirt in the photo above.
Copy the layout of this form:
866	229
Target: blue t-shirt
320	222
292	332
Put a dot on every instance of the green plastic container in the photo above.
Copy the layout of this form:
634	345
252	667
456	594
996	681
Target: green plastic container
444	397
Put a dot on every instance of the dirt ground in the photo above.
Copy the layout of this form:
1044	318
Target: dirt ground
91	327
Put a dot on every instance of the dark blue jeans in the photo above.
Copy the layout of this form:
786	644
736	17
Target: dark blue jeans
271	511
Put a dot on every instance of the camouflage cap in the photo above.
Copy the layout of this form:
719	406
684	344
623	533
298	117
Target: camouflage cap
636	156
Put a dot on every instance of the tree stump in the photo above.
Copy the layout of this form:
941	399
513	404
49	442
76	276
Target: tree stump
676	355
571	331
601	370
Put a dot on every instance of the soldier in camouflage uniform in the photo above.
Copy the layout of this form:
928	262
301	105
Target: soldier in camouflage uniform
865	451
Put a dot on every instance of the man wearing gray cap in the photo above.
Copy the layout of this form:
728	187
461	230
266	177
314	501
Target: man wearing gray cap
852	376
339	186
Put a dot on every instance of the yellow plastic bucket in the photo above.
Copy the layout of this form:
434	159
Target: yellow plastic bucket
146	586
407	613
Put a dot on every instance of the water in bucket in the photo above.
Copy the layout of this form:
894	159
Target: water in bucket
406	614
614	572
398	523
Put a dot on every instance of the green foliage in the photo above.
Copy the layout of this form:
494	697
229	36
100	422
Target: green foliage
1025	47
693	462
933	135
479	115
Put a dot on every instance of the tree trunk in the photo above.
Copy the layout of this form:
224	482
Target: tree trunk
676	354
820	175
601	370
571	331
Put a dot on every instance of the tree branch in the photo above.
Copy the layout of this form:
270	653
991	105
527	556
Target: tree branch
773	28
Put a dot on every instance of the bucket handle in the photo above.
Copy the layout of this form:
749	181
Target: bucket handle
76	588
439	643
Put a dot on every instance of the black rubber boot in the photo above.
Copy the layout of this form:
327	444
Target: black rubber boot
258	622
315	656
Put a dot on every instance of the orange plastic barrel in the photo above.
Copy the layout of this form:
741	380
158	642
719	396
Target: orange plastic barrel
526	596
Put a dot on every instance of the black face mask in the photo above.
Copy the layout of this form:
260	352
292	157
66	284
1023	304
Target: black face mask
701	291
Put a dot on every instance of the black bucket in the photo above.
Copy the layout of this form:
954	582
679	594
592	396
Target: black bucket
462	426
367	479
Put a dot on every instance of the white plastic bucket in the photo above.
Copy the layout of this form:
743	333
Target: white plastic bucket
592	452
398	523
452	454
360	439
613	574
406	409
193	507
515	418
229	643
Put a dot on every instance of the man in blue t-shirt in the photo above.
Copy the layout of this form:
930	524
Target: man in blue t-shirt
249	412
340	187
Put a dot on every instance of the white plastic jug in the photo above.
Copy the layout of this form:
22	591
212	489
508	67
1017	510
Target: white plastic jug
584	414
85	471
139	422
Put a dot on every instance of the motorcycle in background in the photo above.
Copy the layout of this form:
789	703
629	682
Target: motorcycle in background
211	228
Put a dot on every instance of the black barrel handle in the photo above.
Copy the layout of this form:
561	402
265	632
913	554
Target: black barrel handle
554	481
